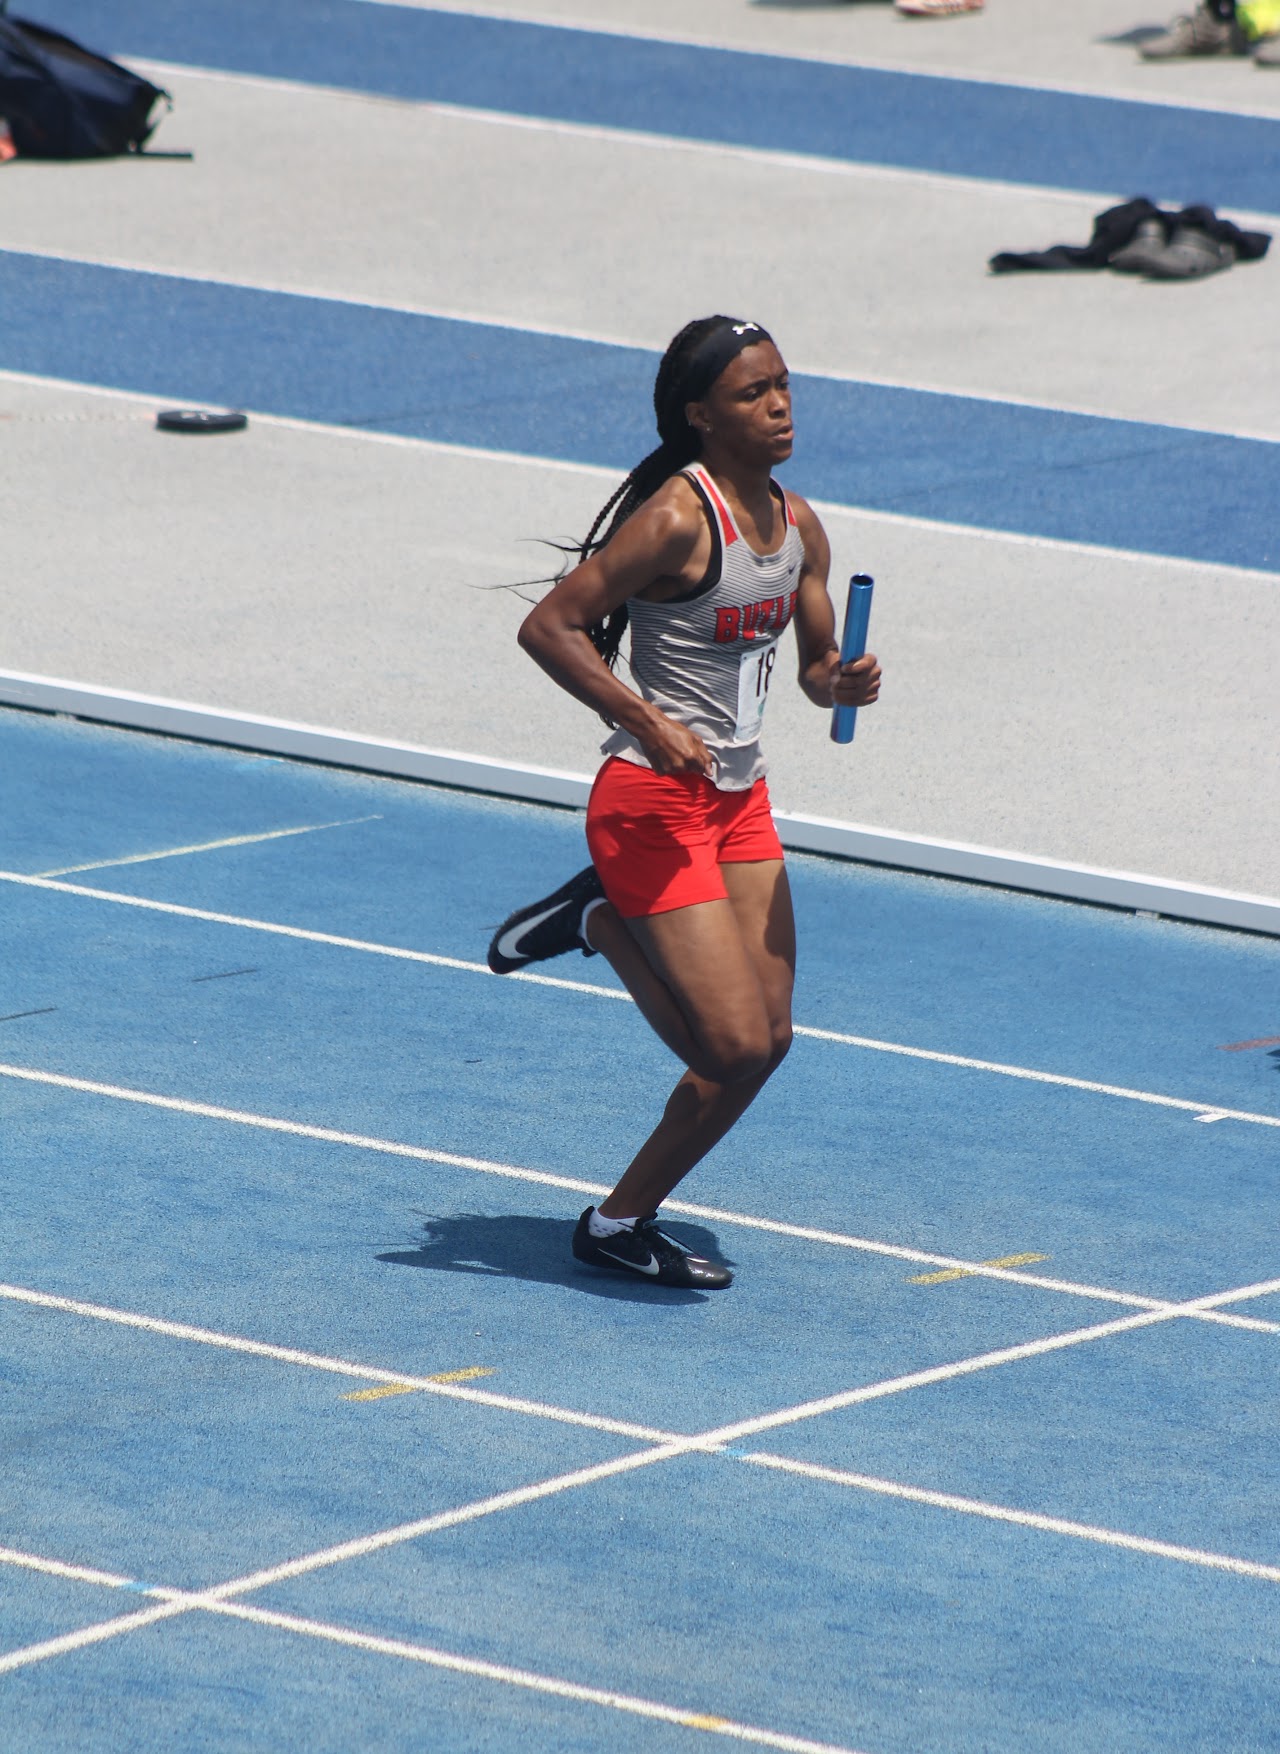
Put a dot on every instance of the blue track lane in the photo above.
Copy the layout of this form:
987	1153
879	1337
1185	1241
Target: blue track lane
830	1612
992	465
956	126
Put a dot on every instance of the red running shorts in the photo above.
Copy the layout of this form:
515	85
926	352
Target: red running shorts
658	840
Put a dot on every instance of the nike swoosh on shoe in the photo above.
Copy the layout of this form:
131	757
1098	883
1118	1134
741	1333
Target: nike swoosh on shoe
650	1266
508	944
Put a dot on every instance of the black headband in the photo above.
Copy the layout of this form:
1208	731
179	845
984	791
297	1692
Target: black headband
716	351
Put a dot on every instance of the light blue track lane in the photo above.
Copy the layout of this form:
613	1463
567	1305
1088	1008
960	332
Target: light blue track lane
1072	477
956	126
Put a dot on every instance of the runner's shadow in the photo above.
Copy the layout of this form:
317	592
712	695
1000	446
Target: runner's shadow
1141	33
514	1246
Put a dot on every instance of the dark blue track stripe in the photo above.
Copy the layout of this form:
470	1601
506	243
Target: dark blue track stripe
986	464
963	127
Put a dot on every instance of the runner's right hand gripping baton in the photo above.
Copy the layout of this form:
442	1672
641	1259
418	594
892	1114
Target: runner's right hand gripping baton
854	645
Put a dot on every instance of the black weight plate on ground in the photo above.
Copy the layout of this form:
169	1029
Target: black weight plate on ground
196	420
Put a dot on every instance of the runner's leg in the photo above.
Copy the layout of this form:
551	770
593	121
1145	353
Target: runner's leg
718	976
712	1014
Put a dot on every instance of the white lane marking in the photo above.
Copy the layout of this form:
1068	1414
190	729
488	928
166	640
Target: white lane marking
493	1505
808	1030
371	949
452	314
593	472
1196	1308
208	846
513	1172
334	1366
420	1653
1026	1072
976	1269
712	1441
732	1434
1027	1519
56	1568
179	1602
84	1636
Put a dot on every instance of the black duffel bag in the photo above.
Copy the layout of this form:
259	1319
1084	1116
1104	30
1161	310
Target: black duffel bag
62	101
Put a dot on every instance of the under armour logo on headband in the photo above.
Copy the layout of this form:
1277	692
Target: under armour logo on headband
717	349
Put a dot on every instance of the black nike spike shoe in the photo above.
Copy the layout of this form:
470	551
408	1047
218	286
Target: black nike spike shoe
648	1253
545	928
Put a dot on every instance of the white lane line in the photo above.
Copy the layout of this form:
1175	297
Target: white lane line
341	943
328	1135
180	1602
98	1633
420	1653
809	1031
334	1366
1027	1073
1196	1308
1026	1519
733	1434
975	1269
544	1178
56	1568
208	846
726	1437
713	1441
593	472
493	1505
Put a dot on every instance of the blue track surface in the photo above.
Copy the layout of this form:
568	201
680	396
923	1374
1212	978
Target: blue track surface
991	464
835	1614
956	126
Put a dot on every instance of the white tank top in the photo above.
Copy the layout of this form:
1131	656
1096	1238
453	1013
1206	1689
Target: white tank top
706	658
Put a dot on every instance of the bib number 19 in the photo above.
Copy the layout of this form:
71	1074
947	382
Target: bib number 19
754	673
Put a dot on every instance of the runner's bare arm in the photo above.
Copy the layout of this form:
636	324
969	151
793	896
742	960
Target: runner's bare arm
663	548
821	676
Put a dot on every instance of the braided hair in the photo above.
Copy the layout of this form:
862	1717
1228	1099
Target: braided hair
693	361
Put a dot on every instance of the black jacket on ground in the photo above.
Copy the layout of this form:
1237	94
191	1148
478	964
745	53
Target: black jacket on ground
1118	226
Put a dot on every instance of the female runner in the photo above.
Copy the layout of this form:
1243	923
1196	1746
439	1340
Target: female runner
708	560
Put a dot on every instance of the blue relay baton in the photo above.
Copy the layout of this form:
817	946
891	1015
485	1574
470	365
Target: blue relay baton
854	644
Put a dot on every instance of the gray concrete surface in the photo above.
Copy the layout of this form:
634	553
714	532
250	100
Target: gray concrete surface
1106	709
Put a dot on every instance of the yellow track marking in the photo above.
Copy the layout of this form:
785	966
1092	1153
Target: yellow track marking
408	1388
961	1273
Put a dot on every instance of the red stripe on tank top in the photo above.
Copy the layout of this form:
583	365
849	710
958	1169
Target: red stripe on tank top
728	532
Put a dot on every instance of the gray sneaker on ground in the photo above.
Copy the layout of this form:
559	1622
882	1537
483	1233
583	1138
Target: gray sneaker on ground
1143	247
1266	52
1189	255
1200	32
